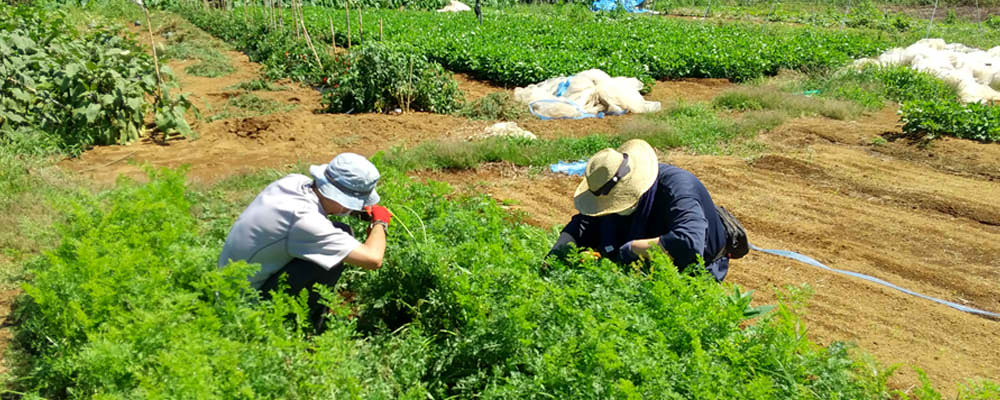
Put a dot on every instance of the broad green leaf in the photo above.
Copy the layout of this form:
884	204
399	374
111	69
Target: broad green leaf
91	112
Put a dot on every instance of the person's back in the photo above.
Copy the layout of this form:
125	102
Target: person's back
628	203
281	222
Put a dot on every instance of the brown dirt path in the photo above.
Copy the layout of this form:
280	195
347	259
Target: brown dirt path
236	145
927	220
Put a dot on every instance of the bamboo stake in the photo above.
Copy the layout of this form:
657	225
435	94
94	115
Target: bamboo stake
156	60
305	31
380	29
333	36
347	13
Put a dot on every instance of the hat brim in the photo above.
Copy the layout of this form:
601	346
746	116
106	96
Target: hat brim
644	167
330	191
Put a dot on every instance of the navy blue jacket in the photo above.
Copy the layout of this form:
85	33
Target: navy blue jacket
683	216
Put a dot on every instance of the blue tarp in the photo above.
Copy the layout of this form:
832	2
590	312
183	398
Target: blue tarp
611	5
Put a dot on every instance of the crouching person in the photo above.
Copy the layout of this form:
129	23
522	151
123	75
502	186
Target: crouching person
630	203
286	230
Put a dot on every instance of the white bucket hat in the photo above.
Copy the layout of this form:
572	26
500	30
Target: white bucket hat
349	179
616	179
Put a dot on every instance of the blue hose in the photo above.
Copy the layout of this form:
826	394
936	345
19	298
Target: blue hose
811	261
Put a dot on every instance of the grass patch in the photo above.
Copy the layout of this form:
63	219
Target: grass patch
254	85
211	68
495	106
249	105
30	188
186	42
693	126
756	98
872	86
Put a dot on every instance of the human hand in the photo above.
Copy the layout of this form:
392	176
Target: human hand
626	254
379	214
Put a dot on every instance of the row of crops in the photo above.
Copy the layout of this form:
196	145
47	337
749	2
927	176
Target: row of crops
78	89
514	48
395	55
464	307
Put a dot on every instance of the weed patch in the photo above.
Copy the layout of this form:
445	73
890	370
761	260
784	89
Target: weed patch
250	105
495	106
258	84
755	98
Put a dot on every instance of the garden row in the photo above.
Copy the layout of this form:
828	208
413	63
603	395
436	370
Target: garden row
518	48
77	89
464	307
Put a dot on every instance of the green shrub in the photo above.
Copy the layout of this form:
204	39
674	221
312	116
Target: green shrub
495	106
85	89
379	77
931	119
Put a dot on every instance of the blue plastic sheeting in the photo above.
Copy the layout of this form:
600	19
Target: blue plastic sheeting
808	260
611	5
571	168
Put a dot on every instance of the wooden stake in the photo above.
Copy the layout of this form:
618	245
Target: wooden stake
347	13
333	36
380	29
305	32
361	27
156	60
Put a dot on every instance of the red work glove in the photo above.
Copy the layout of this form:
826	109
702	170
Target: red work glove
379	214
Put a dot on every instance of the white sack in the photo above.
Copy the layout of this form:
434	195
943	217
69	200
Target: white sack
592	91
455	6
504	129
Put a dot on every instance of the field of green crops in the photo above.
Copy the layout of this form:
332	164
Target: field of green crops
126	300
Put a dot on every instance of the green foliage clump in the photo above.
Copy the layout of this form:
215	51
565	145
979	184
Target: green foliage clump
495	106
373	76
131	305
871	86
379	77
85	89
932	118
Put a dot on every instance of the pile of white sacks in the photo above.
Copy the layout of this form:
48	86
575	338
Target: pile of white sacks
973	72
585	94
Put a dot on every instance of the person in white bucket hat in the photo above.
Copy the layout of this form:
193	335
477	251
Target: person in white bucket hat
287	231
629	203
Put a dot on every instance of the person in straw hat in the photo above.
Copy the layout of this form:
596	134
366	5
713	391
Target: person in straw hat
630	203
287	231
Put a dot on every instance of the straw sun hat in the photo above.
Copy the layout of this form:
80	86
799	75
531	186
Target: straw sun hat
616	179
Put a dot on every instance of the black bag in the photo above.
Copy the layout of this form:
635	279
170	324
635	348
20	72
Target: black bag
737	244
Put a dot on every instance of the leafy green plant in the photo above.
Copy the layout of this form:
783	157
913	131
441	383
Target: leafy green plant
84	88
379	77
930	119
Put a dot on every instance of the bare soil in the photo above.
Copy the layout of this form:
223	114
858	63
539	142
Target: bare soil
849	193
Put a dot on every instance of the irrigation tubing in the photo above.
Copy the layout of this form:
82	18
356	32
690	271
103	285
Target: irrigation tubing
809	260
